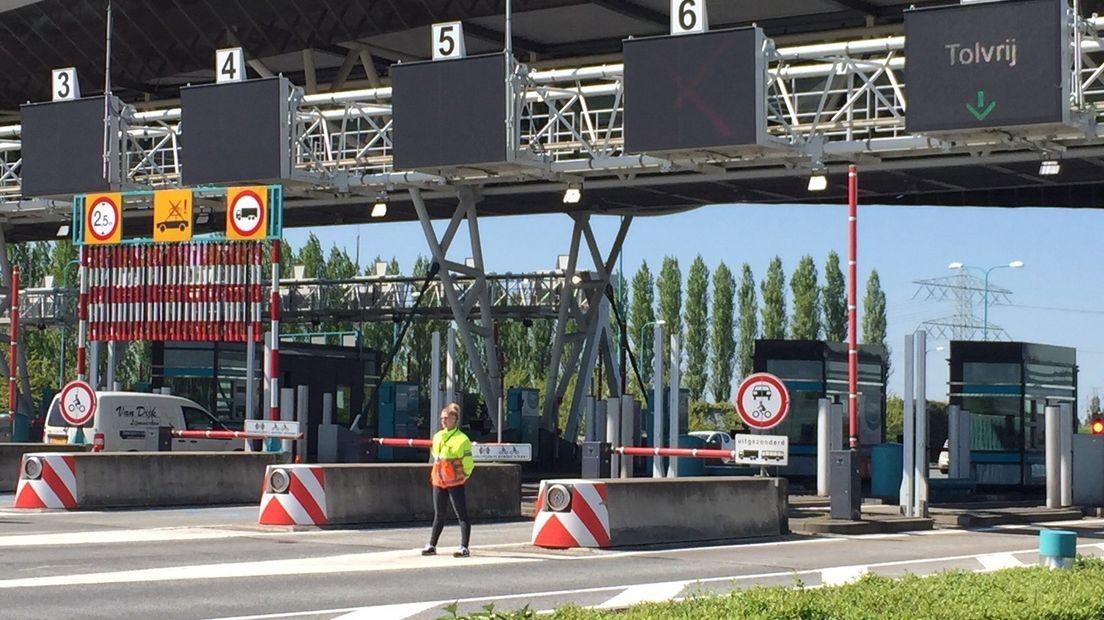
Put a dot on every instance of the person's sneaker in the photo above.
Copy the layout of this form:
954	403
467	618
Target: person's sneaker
462	553
429	550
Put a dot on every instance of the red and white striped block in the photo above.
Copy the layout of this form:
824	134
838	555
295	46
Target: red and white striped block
584	524
302	502
53	484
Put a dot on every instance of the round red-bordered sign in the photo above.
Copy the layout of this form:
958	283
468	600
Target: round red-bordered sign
93	220
238	213
77	403
762	401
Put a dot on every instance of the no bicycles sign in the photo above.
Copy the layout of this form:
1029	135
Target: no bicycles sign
78	403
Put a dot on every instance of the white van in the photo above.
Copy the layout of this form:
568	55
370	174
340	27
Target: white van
124	417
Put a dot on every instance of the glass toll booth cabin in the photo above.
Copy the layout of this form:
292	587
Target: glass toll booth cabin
815	369
213	374
1006	387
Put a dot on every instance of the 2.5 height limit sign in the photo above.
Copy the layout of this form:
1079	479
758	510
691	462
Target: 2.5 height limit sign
984	66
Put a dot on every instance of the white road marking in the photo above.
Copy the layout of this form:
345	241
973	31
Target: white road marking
390	612
839	575
997	561
104	537
648	593
405	559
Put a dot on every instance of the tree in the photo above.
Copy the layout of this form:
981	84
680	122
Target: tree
670	305
806	296
874	312
1094	405
697	328
642	312
834	300
339	266
723	333
749	320
774	301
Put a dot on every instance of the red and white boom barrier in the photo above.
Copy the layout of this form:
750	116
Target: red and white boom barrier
396	442
223	435
679	452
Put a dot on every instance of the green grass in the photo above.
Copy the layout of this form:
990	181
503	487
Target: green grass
1034	593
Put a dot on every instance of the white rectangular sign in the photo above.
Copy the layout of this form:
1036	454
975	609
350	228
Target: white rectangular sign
272	428
769	450
502	452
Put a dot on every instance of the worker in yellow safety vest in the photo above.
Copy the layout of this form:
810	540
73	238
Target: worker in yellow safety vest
452	466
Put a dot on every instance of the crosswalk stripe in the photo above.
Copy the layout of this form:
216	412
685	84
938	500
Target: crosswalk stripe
997	561
647	593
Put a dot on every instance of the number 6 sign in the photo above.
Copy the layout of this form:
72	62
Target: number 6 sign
688	16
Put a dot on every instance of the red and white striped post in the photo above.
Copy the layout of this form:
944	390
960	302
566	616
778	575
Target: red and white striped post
14	352
82	316
274	346
852	306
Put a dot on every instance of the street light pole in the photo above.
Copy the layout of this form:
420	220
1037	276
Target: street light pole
1016	264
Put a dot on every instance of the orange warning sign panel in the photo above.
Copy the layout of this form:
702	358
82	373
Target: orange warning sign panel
247	213
172	215
103	219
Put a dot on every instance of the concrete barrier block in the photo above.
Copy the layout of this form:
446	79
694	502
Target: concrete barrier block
611	513
11	457
379	493
141	479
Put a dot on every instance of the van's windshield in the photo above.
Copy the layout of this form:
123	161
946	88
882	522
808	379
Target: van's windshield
54	418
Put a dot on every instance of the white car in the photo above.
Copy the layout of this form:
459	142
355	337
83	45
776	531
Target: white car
716	440
945	457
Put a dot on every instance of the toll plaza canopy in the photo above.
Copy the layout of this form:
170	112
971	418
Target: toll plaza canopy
992	91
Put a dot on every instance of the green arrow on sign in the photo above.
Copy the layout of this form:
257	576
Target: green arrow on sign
981	111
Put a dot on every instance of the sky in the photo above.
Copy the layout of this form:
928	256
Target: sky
1055	296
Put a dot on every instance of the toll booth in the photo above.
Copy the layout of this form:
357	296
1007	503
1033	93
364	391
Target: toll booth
401	415
213	374
523	417
1006	387
816	369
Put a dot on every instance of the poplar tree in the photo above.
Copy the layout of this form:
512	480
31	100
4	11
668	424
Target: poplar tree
806	296
749	321
723	333
670	306
874	312
642	312
835	300
774	301
697	328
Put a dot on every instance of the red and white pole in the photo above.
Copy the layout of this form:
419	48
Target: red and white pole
13	367
274	346
852	305
82	317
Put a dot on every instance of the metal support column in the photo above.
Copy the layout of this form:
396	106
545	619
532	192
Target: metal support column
593	333
435	405
920	475
673	412
908	461
657	399
464	306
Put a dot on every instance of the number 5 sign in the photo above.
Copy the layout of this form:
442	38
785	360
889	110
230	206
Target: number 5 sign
448	41
103	219
688	16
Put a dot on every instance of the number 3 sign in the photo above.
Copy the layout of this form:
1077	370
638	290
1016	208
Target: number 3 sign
688	16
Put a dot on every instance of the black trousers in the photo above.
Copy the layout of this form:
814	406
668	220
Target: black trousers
441	499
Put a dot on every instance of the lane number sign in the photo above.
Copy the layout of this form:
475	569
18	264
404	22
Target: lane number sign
103	218
762	401
448	41
78	403
688	16
229	65
65	86
246	213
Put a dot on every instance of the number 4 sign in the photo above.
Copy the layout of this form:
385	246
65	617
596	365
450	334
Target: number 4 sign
229	65
688	16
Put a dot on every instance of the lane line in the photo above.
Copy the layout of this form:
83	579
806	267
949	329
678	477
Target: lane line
391	612
648	593
405	559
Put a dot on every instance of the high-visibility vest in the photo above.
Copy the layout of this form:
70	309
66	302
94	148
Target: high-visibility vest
452	459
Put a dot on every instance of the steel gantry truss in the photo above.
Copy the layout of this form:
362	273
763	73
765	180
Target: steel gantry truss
825	102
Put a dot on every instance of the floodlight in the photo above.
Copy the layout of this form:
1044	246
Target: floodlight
1049	167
